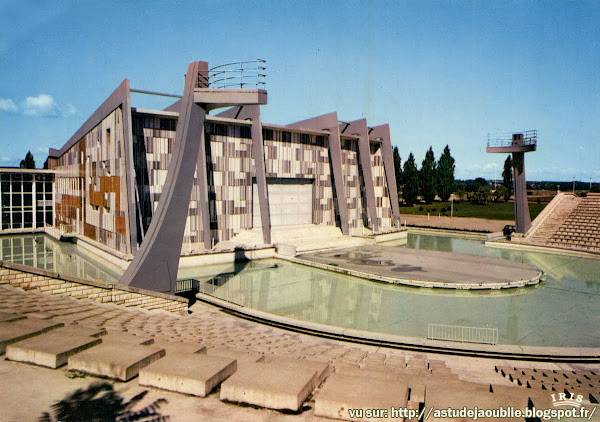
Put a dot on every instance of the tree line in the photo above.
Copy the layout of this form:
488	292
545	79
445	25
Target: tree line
434	177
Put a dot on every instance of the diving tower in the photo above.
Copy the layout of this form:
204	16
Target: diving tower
517	145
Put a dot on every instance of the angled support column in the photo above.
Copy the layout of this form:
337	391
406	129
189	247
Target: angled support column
360	128
156	263
258	152
330	122
522	217
129	168
383	132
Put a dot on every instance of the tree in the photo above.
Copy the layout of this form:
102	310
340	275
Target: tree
28	162
411	181
397	167
45	164
482	195
507	177
427	177
445	175
100	402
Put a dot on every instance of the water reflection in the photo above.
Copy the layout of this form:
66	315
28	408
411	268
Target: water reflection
562	311
41	251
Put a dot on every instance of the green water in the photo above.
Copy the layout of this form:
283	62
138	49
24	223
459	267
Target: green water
41	251
564	310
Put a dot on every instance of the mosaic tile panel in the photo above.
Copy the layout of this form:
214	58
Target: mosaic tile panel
90	186
301	155
382	197
352	184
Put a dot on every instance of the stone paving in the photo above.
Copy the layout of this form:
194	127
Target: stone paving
318	377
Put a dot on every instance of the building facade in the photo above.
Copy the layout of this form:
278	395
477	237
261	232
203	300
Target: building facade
110	175
26	199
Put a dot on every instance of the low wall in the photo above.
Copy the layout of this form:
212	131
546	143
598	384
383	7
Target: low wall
28	278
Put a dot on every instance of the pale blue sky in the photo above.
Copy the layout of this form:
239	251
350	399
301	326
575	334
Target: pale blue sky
439	72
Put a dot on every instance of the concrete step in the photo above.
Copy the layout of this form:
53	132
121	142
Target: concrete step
116	360
342	392
53	349
272	385
459	394
242	357
188	373
11	332
10	317
124	338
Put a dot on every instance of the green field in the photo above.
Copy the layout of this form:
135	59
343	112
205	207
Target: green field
491	211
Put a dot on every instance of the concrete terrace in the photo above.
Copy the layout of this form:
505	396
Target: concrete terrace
233	361
424	268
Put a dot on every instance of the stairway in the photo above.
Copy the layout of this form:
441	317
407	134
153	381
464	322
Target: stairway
554	221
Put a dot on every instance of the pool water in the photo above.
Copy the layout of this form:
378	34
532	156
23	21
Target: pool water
564	310
43	252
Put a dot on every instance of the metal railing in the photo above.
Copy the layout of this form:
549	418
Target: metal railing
462	334
506	139
236	75
186	285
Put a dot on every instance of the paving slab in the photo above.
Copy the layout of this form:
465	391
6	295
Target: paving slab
272	385
462	394
115	360
125	338
11	332
10	317
342	392
323	368
242	357
179	347
189	373
53	349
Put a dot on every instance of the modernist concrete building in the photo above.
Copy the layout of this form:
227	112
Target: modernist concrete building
154	184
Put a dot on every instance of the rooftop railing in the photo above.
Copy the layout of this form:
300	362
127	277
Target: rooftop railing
247	74
506	139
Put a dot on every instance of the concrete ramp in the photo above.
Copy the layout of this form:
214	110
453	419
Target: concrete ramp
11	332
272	385
116	361
361	393
188	373
54	348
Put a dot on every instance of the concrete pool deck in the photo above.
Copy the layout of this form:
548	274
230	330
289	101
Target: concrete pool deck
423	268
24	392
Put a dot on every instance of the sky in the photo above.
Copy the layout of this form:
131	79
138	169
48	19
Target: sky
439	72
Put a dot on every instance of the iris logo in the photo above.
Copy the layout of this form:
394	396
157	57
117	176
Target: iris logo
565	399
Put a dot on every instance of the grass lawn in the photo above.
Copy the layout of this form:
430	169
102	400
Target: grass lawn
491	211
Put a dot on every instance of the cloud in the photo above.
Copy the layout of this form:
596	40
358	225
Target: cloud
6	104
42	105
69	110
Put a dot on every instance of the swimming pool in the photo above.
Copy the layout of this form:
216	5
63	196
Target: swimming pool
562	311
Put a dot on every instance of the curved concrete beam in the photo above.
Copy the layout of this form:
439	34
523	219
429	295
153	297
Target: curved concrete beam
155	265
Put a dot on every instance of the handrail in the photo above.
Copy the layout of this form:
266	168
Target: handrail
237	74
506	139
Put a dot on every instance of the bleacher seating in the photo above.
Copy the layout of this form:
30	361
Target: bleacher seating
581	229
